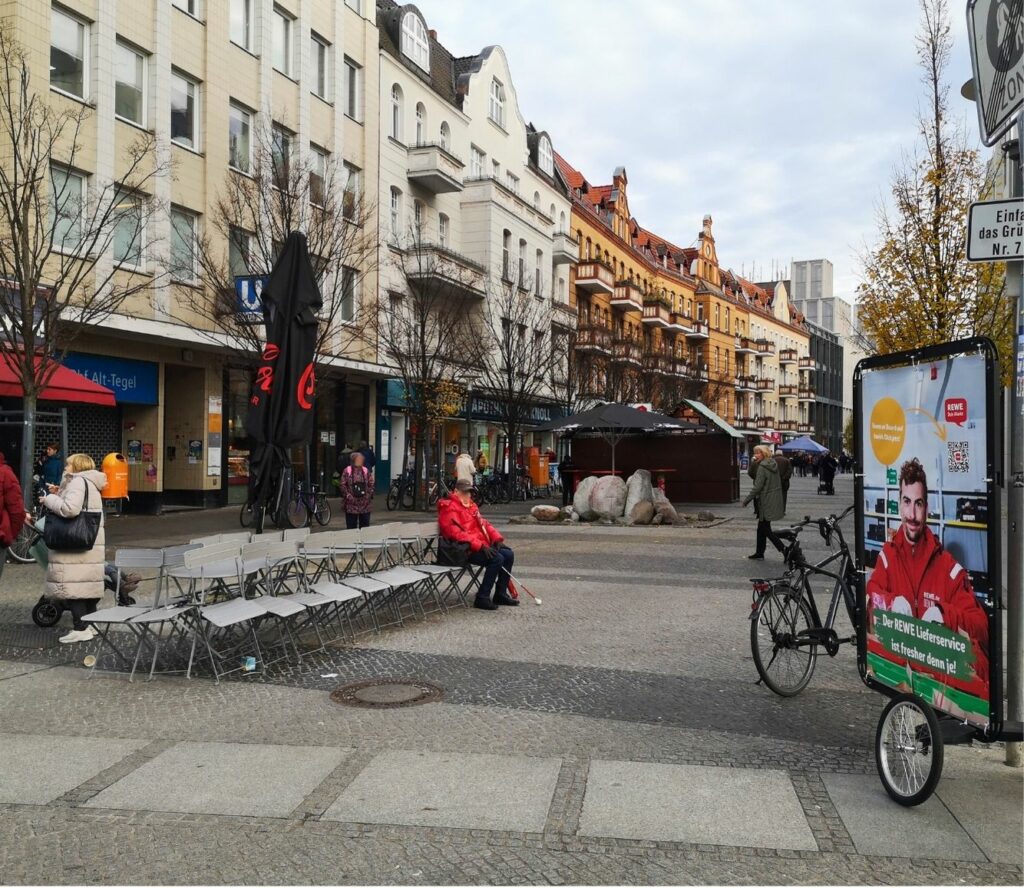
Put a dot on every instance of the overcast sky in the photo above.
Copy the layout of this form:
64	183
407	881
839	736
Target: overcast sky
781	118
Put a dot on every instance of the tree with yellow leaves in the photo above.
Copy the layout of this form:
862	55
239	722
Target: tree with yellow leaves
917	286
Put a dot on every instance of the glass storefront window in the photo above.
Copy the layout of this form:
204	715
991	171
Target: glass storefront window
239	443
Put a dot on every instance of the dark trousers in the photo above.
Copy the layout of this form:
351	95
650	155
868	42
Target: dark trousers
503	558
79	607
765	533
785	495
567	487
357	519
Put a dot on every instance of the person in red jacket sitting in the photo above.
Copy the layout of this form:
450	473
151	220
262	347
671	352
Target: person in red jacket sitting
12	509
916	577
460	520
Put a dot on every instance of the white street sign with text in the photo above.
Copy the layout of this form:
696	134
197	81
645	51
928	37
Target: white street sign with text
995	231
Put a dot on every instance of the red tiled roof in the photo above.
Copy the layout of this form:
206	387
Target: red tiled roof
573	177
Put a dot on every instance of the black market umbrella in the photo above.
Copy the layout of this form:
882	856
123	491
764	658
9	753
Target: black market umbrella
283	389
613	422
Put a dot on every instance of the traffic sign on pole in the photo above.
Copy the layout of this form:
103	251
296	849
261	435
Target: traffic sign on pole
995	231
996	31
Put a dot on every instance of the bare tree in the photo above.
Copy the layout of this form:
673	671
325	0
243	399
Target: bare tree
430	332
59	270
273	191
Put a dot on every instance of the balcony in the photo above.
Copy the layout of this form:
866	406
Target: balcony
787	356
433	265
592	385
805	428
745	346
658	363
806	393
565	249
764	423
698	372
787	425
657	311
807	364
765	347
628	296
746	383
745	421
627	351
593	339
765	385
698	330
435	168
679	322
788	391
595	277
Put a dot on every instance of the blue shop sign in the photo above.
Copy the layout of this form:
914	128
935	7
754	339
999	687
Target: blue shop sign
132	382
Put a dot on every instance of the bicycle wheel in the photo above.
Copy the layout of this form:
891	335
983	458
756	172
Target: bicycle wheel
408	496
323	510
782	615
394	495
908	750
297	512
19	550
247	517
432	496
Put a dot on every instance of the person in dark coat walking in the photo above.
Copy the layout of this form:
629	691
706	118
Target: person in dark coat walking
785	473
369	457
828	472
767	496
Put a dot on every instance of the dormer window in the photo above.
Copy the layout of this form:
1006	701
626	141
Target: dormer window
497	107
545	157
415	44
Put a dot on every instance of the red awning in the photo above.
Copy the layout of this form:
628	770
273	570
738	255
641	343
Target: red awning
65	385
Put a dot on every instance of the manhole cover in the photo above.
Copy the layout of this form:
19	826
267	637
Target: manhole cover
386	693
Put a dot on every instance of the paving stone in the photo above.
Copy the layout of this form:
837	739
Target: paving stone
36	770
879	826
992	812
223	778
690	803
468	790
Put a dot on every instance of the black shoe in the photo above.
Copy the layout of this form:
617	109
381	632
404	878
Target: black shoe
506	600
756	557
484	604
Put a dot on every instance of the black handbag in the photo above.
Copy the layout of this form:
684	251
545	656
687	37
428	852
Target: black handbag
76	534
452	553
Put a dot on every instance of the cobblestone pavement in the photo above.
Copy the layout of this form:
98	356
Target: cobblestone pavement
639	654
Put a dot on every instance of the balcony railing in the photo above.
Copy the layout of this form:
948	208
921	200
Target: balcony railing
745	421
764	422
627	351
436	265
655	362
595	277
787	425
565	249
806	393
698	330
765	347
679	322
592	338
787	356
808	364
435	168
657	312
765	385
628	296
745	346
788	391
698	372
805	428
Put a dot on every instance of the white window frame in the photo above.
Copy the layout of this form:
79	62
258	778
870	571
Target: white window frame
521	268
189	7
444	136
120	46
397	112
538	270
512	181
232	108
444	230
350	293
194	218
415	42
287	147
138	200
395	215
86	40
350	207
246	38
235	235
320	49
477	162
355	5
282	19
196	111
419	219
496	107
545	156
421	123
353	86
318	160
83	190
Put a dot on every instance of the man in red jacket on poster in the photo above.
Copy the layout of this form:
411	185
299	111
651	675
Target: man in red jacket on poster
460	520
12	509
916	577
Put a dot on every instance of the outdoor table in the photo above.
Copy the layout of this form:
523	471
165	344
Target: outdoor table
660	477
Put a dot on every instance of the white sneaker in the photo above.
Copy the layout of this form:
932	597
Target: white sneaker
75	635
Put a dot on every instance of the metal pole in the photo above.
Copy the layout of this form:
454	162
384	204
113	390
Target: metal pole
1015	493
469	418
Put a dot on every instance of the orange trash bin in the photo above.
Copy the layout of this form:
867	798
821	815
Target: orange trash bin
115	467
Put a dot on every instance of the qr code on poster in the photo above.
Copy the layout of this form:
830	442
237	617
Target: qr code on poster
958	456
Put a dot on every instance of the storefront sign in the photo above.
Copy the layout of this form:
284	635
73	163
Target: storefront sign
132	382
490	409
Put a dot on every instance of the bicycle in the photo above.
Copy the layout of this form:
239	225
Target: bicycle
401	492
304	505
20	551
438	489
786	628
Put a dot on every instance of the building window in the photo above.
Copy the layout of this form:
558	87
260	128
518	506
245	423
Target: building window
419	213
414	40
512	182
545	157
350	196
239	252
183	243
496	110
506	255
241	23
67	196
561	225
538	277
522	263
421	123
396	112
477	159
718	316
128	229
352	85
281	152
189	6
184	111
317	175
239	138
349	276
130	84
396	214
446	136
536	201
69	47
318	55
282	46
357	5
443	230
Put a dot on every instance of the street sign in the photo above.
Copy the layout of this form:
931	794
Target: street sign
248	291
995	231
996	37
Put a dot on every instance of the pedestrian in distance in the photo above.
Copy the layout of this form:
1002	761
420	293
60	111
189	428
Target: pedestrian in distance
567	472
357	492
77	577
481	462
827	470
50	467
465	468
460	521
12	509
785	473
369	457
766	494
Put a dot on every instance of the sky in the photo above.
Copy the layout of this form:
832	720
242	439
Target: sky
783	119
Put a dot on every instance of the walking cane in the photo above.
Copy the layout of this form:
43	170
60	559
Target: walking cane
517	583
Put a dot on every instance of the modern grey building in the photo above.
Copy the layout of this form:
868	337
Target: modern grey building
826	412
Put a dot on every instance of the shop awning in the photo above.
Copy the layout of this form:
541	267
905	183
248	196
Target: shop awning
65	385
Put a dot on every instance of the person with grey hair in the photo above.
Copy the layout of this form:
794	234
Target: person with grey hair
766	494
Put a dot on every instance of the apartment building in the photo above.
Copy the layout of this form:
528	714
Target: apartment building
470	192
206	78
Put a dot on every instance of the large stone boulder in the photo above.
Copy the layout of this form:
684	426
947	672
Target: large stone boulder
665	513
581	498
546	513
608	498
659	498
638	490
642	513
